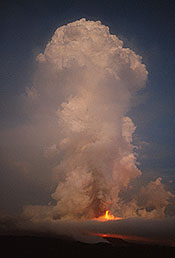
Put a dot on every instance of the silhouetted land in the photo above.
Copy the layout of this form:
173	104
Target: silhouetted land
48	247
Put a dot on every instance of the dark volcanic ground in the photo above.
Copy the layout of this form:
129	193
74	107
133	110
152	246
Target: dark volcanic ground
48	247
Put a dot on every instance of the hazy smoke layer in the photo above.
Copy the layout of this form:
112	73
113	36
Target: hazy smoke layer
90	79
154	231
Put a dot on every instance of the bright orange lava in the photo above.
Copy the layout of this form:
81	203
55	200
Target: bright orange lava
133	238
124	237
107	216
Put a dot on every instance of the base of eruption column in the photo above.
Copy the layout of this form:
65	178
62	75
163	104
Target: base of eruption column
107	216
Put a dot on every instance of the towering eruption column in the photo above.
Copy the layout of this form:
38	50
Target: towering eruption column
93	81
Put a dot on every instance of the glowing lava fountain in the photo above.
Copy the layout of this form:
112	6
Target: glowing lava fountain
107	216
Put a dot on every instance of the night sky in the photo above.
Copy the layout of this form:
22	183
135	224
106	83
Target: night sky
147	27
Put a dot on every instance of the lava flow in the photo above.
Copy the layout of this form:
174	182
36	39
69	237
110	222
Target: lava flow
123	237
134	238
107	216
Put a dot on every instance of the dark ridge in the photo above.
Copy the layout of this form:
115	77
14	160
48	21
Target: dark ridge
118	241
49	247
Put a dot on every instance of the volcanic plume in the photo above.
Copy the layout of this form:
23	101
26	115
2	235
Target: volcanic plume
91	79
84	87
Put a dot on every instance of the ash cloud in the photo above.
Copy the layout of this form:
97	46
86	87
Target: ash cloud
93	81
78	132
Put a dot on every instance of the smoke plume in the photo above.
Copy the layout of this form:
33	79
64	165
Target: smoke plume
84	85
78	105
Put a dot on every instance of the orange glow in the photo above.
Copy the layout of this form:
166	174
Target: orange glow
134	238
124	237
107	216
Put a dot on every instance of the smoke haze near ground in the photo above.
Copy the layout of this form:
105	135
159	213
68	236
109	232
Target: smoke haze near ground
151	231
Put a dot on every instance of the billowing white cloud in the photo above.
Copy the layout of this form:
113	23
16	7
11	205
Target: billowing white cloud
78	106
90	78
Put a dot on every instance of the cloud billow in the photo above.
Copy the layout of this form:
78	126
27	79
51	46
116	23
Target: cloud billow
84	87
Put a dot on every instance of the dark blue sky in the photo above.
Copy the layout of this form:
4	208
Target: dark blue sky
147	27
